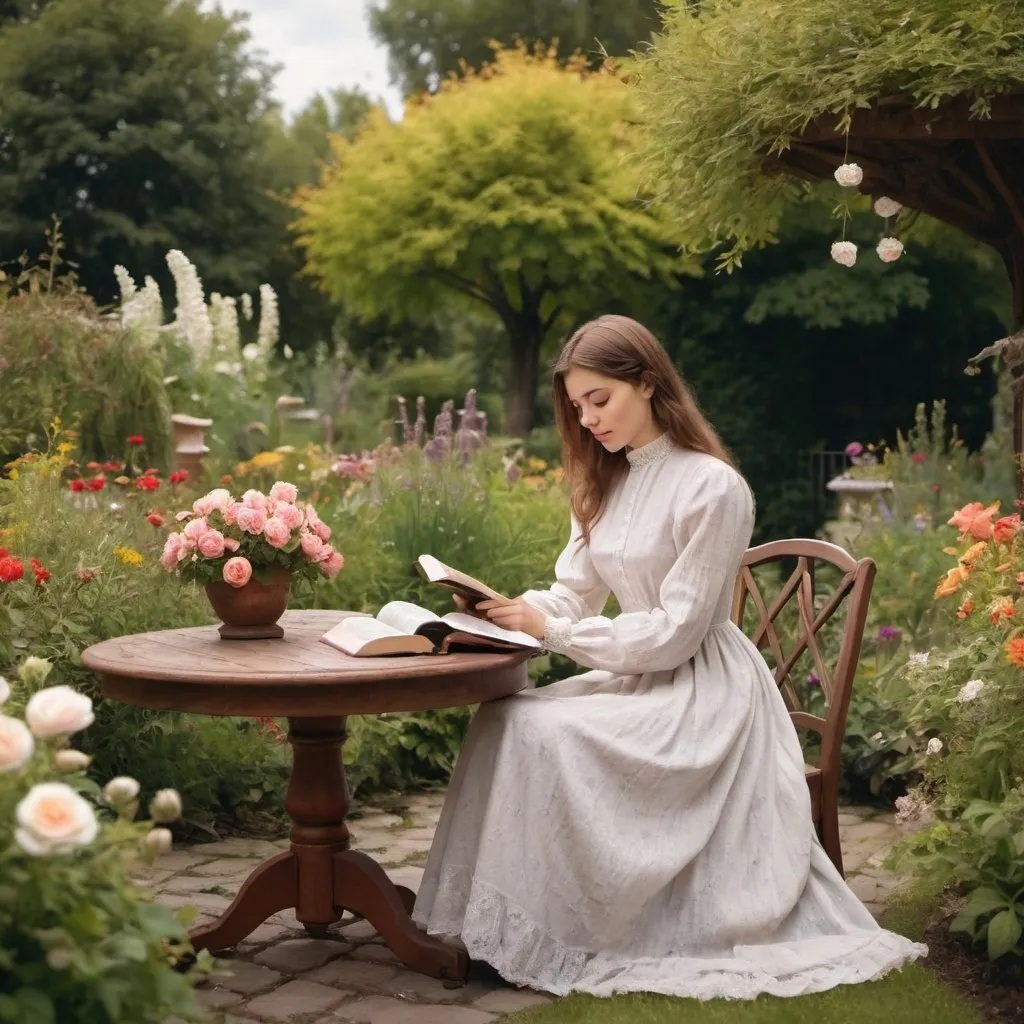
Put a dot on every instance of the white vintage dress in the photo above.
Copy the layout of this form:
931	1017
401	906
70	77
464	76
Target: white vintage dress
646	826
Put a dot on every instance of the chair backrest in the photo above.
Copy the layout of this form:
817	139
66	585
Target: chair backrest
836	680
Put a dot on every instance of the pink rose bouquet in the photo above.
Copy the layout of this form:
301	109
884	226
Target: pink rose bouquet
229	540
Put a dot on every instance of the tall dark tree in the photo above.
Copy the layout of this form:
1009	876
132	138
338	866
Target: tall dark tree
428	39
141	124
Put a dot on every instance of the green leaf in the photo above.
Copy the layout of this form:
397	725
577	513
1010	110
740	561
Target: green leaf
1003	932
35	1007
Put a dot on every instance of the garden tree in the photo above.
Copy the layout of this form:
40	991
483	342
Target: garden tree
141	125
743	100
509	189
428	40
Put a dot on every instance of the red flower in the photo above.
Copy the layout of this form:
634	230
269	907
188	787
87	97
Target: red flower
179	476
113	467
11	569
40	573
97	483
147	483
917	457
155	519
136	439
4	552
935	488
152	471
92	465
226	478
77	486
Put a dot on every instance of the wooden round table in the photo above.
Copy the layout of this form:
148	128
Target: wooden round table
315	687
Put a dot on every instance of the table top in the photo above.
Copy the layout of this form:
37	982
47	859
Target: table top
297	676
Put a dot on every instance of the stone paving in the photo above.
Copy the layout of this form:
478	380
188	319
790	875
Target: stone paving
281	974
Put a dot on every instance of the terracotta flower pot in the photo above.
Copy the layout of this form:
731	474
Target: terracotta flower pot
251	612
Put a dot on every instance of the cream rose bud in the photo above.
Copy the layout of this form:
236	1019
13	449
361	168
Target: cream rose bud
5	689
16	744
58	711
157	841
33	671
53	818
849	175
935	745
165	805
120	791
889	250
886	207
844	253
71	761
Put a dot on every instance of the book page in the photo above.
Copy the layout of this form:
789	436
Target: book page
459	582
405	616
484	627
361	636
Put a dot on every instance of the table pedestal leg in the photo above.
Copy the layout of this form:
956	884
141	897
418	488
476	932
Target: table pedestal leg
320	876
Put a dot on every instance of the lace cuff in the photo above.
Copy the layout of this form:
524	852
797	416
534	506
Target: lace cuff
557	634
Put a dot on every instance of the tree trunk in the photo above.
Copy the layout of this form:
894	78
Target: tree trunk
525	334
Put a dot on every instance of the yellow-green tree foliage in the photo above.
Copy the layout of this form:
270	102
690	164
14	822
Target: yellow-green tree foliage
511	187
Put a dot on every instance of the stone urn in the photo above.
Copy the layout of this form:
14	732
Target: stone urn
190	442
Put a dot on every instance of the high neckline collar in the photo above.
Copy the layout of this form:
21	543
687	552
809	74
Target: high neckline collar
653	451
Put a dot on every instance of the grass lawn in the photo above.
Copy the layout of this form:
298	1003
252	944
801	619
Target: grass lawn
913	996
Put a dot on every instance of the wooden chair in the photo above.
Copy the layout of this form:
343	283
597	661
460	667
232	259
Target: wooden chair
837	679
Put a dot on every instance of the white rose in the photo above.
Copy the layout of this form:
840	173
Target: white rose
969	691
5	689
71	761
58	711
122	790
157	841
849	175
844	253
16	744
165	805
53	818
886	207
889	250
935	746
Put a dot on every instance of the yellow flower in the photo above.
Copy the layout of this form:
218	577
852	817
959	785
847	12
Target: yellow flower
973	553
12	474
535	465
64	447
534	483
266	460
129	556
950	583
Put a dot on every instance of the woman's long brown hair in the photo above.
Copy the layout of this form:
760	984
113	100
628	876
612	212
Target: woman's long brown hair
618	347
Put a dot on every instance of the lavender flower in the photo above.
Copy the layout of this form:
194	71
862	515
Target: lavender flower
469	437
813	680
440	445
889	635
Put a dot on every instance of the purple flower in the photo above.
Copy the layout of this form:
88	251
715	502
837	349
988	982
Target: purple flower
813	680
889	634
853	449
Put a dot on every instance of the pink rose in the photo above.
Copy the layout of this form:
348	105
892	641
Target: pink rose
230	544
231	512
312	546
172	548
237	571
178	516
250	519
311	517
333	565
255	499
211	544
195	528
323	531
277	532
290	515
284	492
216	501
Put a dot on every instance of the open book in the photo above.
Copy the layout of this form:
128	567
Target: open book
401	627
435	571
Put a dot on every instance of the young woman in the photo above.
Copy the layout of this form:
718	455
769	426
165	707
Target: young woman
644	826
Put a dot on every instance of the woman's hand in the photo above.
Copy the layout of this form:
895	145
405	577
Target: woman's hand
515	614
469	607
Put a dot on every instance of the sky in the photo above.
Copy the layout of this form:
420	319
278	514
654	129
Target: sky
320	44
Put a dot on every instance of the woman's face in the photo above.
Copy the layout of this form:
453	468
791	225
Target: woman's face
616	412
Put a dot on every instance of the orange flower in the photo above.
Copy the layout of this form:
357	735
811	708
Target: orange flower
1002	609
973	553
950	551
1006	529
1005	567
966	608
975	520
950	583
1014	648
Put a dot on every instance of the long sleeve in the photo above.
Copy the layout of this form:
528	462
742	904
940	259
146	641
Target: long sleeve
711	533
578	591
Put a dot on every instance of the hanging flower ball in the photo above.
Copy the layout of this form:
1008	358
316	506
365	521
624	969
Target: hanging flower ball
886	207
844	253
889	250
849	175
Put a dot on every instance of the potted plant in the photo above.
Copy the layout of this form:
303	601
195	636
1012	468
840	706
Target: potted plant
246	551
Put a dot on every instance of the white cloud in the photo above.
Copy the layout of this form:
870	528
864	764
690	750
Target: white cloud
321	44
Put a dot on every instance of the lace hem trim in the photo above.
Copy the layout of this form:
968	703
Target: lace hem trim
557	634
495	930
